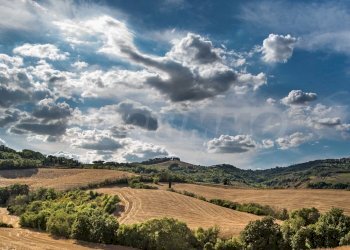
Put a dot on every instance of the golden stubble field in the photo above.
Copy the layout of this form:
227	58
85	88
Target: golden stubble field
282	198
24	239
144	204
60	179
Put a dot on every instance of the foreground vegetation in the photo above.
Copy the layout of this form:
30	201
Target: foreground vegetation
86	215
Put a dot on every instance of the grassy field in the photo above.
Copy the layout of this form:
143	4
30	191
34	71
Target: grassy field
142	204
282	198
60	179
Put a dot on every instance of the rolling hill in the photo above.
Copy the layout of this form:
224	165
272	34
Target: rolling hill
318	174
141	205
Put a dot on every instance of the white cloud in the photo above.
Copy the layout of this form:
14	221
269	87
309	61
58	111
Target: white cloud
80	65
268	143
271	101
43	51
231	144
194	69
98	140
278	48
139	151
293	140
298	97
321	25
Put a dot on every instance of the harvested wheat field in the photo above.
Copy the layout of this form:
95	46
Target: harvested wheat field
144	204
60	179
24	239
7	218
282	198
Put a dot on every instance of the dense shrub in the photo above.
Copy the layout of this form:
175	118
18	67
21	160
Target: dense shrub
262	234
60	223
74	214
206	236
136	183
307	229
6	193
230	244
95	225
253	208
166	233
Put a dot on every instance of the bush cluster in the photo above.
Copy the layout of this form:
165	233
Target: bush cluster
74	214
253	208
138	184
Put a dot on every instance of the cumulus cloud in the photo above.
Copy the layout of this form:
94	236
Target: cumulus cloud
42	51
248	80
194	49
9	96
329	121
67	155
99	140
9	116
231	144
278	48
47	109
298	97
320	118
293	140
56	128
80	65
270	101
194	69
111	146
267	143
17	83
139	151
318	26
135	114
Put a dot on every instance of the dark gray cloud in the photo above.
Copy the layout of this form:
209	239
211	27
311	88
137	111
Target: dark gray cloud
135	114
182	84
298	97
9	97
53	128
193	68
49	110
9	116
119	131
231	144
102	144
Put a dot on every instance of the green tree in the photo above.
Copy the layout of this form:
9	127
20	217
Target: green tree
262	235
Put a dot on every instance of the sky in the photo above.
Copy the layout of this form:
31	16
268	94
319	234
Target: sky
255	84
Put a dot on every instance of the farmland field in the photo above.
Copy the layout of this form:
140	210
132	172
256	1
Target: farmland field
18	238
290	199
60	179
23	239
141	205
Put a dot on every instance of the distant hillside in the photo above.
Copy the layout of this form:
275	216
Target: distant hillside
328	173
11	159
